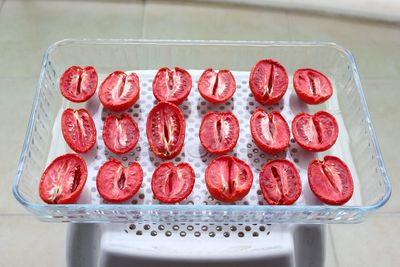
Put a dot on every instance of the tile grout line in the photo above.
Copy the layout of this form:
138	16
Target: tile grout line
288	25
333	247
16	215
1	5
144	19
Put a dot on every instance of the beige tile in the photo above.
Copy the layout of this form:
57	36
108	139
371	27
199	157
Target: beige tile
27	28
310	26
189	20
377	61
372	243
382	102
374	45
27	242
330	253
20	60
16	98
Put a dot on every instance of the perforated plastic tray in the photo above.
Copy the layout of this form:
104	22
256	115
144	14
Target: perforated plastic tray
356	144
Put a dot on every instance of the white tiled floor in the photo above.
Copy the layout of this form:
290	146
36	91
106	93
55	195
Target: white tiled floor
28	242
28	27
179	20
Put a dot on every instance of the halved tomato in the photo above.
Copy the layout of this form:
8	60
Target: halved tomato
219	132
316	132
330	180
63	180
117	183
78	129
270	131
228	179
172	184
280	182
172	85
119	91
217	87
312	86
165	129
78	84
268	81
120	133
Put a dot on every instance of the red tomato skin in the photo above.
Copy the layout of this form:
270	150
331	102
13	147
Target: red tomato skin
307	98
181	136
177	101
76	194
127	103
213	99
177	199
235	138
314	186
297	189
78	99
260	143
75	147
253	85
133	190
107	140
310	147
217	193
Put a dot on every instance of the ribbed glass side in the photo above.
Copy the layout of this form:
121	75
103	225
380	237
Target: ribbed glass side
110	55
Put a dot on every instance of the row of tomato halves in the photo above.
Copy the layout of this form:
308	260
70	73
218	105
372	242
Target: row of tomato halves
227	178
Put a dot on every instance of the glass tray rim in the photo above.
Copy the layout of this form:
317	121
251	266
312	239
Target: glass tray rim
199	208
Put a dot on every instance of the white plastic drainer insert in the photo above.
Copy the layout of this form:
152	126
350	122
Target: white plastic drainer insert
242	104
199	230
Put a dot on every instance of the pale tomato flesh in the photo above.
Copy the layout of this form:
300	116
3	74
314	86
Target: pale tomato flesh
78	84
172	184
316	132
117	183
219	132
228	179
330	180
78	129
270	131
217	87
172	85
280	182
268	81
119	91
120	133
312	86
165	129
63	180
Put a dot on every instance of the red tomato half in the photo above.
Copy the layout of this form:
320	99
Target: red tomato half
63	180
268	81
78	129
280	182
165	129
172	184
217	87
172	85
312	86
120	133
117	183
78	84
119	91
316	132
270	131
228	179
330	180
219	132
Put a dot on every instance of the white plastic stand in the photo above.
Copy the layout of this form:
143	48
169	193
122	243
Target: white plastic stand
117	245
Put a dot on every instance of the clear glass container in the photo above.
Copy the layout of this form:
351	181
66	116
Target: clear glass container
356	145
